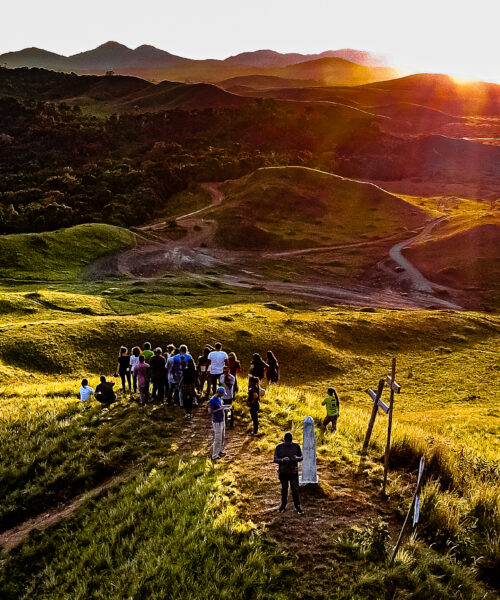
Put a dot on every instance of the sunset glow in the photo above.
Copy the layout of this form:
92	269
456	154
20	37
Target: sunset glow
429	36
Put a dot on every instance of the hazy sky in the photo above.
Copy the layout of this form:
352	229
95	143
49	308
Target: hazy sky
451	36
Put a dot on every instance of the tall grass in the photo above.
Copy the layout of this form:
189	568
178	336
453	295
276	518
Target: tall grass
168	534
53	447
460	510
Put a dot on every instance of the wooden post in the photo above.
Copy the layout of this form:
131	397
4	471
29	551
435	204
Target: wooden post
371	423
412	505
392	384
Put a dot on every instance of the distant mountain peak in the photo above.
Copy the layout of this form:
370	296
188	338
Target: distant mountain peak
111	44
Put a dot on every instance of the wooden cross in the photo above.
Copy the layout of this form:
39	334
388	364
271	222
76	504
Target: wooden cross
375	396
395	389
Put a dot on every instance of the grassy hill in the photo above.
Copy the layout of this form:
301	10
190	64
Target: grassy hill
59	255
293	207
476	265
263	82
162	498
188	97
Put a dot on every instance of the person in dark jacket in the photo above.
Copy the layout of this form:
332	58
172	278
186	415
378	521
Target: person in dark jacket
189	388
123	369
157	373
255	393
203	369
104	391
287	456
258	367
273	370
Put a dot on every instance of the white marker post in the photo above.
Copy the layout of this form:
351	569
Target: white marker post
309	474
415	504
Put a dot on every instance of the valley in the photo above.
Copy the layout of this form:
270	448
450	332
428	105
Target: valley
319	207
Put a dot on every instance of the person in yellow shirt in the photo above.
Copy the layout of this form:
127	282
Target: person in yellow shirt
332	404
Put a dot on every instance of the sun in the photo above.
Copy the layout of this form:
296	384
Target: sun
463	80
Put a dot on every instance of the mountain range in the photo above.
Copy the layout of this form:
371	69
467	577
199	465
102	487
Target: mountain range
155	64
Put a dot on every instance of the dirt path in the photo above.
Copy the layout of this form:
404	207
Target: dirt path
11	538
197	251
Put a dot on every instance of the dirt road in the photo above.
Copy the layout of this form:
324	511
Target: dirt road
198	250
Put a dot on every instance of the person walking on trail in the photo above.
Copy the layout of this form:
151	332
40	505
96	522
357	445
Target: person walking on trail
85	391
104	392
227	381
180	360
147	352
134	361
216	409
234	368
255	392
142	370
287	456
217	360
332	404
189	389
157	372
172	395
123	369
258	367
203	368
273	369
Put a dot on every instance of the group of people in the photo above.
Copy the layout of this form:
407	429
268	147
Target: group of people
173	377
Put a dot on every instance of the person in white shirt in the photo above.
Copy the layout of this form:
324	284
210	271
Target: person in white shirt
217	360
134	361
85	391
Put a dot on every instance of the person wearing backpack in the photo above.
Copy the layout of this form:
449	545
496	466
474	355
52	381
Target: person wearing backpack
332	404
228	381
216	409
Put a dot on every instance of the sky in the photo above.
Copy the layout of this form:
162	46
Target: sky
447	36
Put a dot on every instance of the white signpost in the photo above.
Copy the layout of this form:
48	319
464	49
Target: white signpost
309	473
414	506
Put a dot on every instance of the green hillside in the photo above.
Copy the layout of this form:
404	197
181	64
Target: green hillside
133	482
59	255
296	207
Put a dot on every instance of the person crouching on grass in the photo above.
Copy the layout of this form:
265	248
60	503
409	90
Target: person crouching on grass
85	391
332	404
104	392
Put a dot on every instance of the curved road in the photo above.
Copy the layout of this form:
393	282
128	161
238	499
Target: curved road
194	251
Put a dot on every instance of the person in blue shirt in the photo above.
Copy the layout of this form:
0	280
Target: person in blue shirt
216	409
179	363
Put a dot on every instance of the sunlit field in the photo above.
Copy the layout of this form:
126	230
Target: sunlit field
54	448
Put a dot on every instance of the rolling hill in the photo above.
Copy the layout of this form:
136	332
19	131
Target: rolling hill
461	252
264	82
433	157
270	58
168	95
295	207
151	63
59	255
